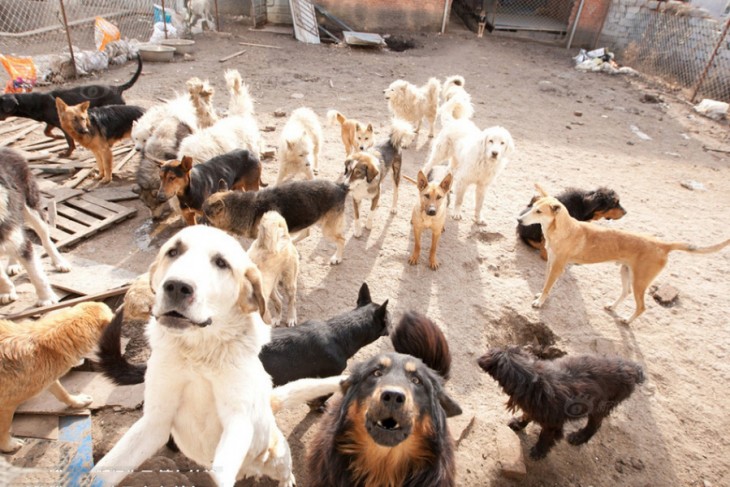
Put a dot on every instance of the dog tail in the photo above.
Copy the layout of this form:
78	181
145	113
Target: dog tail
333	116
697	250
433	88
401	134
240	102
122	88
304	390
112	362
419	336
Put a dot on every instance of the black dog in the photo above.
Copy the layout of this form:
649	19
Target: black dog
41	107
552	393
389	428
582	205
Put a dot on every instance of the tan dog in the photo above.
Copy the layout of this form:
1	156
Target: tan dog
356	136
429	212
34	354
277	258
569	241
363	176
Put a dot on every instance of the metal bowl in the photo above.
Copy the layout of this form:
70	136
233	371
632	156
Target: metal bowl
182	46
154	53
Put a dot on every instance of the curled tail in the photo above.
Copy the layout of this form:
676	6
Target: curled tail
434	88
240	102
122	88
402	134
419	336
112	362
304	390
333	116
697	250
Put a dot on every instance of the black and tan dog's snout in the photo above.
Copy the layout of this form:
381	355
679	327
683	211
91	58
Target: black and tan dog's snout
393	399
178	292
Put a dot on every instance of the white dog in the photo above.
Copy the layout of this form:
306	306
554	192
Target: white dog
278	260
412	103
205	383
475	157
180	109
456	101
238	130
300	145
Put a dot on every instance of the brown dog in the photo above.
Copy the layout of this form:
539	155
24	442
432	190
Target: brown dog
356	136
429	212
569	241
98	129
33	355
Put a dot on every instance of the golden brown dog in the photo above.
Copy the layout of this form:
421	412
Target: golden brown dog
569	241
429	212
363	175
33	355
356	136
98	129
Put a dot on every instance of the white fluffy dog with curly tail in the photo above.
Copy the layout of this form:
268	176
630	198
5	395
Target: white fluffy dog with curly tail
412	103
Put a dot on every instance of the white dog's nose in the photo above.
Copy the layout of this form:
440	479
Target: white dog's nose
178	291
495	153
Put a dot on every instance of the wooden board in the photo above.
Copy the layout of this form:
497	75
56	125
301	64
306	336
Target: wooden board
35	426
90	277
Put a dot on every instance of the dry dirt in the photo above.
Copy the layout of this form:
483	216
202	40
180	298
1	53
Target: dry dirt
571	129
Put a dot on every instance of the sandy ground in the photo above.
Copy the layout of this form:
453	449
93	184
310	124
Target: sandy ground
571	129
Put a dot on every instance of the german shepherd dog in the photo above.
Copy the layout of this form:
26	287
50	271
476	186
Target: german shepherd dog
98	129
429	212
301	203
20	204
34	355
551	393
192	184
582	205
389	426
41	107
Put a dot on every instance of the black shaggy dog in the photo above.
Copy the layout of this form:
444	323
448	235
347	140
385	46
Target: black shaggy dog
552	393
389	427
582	205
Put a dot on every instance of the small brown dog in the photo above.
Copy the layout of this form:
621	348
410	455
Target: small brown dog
356	136
569	241
34	355
429	212
98	129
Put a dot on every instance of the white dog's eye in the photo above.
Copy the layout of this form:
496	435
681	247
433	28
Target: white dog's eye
538	211
501	143
221	263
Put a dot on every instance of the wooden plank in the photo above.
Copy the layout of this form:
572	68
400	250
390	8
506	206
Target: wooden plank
58	235
259	45
118	193
71	302
89	277
231	56
125	160
74	214
69	225
89	207
35	426
18	136
61	194
17	126
78	178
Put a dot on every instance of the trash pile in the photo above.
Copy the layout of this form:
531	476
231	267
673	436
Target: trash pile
600	60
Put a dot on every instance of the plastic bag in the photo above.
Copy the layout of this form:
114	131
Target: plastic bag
158	34
104	33
22	73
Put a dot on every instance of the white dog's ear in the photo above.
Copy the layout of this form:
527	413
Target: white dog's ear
541	190
510	142
251	293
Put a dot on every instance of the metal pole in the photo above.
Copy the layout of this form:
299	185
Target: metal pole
68	38
218	19
575	24
712	58
446	15
164	18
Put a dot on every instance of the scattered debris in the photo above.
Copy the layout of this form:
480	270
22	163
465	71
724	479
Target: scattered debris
259	45
578	114
666	295
268	128
268	153
305	21
231	56
600	60
639	133
65	304
363	39
716	110
649	98
280	113
465	430
693	185
297	96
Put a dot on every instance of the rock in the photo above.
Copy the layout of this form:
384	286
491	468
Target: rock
268	154
548	87
666	295
268	128
297	96
280	113
637	131
578	114
509	453
693	185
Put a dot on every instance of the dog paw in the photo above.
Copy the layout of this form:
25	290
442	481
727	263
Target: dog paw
106	180
577	438
291	482
413	259
481	222
537	303
456	216
369	223
80	401
12	446
537	453
357	233
6	298
334	260
433	264
52	299
608	307
13	269
394	211
62	266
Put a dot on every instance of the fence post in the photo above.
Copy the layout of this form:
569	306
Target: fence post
218	19
68	38
709	63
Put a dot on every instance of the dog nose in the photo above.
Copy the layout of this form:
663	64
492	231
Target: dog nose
392	399
431	211
161	196
178	291
495	153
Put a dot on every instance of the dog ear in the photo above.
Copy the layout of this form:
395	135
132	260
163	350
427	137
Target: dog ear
60	105
85	106
222	186
187	164
371	172
10	103
382	312
446	182
363	297
541	191
555	208
422	181
250	301
370	128
451	407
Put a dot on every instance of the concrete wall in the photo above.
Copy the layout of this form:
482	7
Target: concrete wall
388	15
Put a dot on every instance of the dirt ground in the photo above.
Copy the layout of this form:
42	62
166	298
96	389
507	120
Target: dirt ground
570	129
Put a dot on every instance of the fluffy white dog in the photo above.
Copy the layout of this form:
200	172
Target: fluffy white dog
456	101
412	103
475	158
180	110
300	144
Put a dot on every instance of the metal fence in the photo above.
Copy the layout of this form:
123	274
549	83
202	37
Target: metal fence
550	16
686	50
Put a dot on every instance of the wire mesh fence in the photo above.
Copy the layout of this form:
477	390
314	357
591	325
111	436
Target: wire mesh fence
682	48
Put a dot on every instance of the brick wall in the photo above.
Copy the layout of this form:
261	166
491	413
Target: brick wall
589	23
390	16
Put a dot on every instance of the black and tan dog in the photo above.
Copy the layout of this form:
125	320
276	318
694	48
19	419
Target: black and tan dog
98	129
429	212
301	203
192	184
569	241
552	393
390	153
582	205
389	427
41	107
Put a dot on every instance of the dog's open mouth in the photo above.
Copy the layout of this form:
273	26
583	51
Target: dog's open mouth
389	424
175	319
388	430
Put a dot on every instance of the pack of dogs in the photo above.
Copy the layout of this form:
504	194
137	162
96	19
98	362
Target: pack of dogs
228	351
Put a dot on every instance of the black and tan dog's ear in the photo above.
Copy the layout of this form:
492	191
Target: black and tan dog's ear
422	181
187	164
540	190
222	186
363	296
446	182
84	106
451	407
251	294
60	105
